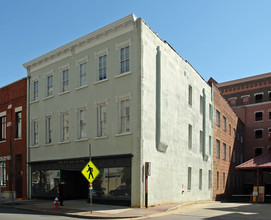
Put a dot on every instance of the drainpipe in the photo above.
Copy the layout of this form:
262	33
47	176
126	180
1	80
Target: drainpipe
28	170
162	147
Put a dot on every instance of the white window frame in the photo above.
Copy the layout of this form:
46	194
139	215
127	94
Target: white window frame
119	47
18	121
64	125
48	129
82	123
34	132
64	78
102	66
82	77
34	90
3	172
127	118
102	119
49	84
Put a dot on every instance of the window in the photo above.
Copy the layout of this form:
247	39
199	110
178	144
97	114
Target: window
229	153
232	102
217	118
269	113
258	116
229	129
234	132
224	151
269	94
82	74
189	178
190	137
34	133
82	124
18	118
258	98
200	179
217	148
201	105
258	134
64	120
224	180
217	180
101	121
3	126
233	155
210	145
3	173
65	80
102	67
245	100
258	151
201	141
124	116
190	95
35	90
124	60
224	123
49	85
48	130
209	179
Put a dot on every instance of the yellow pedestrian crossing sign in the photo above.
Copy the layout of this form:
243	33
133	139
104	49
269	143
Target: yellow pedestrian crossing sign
90	171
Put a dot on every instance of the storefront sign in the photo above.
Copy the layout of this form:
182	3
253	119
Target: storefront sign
5	158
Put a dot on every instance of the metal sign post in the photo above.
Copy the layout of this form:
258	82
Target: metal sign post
90	188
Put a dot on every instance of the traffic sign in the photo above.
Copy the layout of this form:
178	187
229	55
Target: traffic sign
90	171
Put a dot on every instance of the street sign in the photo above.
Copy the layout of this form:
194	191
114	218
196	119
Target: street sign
90	171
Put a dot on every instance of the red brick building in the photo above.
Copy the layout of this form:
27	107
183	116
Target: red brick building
13	99
250	99
228	147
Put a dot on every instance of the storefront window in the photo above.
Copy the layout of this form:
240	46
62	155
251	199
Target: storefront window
3	173
113	183
44	182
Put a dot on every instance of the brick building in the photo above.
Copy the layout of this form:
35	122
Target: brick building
228	150
250	99
13	139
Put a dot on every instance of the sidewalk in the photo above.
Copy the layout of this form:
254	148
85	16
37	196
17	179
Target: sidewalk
79	208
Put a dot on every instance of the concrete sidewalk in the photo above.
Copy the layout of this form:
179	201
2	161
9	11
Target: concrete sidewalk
80	208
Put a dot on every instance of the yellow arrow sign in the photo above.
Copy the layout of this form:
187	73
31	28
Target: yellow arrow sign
90	171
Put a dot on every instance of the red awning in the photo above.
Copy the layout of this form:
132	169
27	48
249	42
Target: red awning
262	161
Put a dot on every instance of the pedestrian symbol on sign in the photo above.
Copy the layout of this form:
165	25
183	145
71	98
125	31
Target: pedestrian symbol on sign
90	169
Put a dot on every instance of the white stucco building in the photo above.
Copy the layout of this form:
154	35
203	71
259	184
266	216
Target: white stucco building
134	99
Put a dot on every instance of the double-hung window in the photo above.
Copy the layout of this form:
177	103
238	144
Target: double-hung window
34	132
101	120
35	90
124	60
189	179
217	148
65	80
124	116
82	74
224	151
49	85
64	120
217	118
190	95
3	126
18	118
82	124
48	129
102	67
190	138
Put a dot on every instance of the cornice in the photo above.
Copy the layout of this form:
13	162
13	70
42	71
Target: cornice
69	49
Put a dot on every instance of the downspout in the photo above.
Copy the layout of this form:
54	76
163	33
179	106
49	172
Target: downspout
162	147
28	169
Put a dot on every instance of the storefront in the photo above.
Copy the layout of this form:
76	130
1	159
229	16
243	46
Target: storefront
112	185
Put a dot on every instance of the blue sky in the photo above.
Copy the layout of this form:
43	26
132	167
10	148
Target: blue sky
223	39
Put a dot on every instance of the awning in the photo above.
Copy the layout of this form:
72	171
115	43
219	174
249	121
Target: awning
261	161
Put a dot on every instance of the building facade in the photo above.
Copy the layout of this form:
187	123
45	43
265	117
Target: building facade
130	96
13	139
250	99
228	148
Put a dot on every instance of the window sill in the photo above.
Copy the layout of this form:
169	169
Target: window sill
48	145
18	139
35	146
33	102
123	134
2	141
81	87
81	140
64	142
49	97
102	137
100	81
123	74
63	93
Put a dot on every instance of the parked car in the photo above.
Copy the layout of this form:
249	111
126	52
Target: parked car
121	191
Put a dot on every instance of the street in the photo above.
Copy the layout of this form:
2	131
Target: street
218	210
